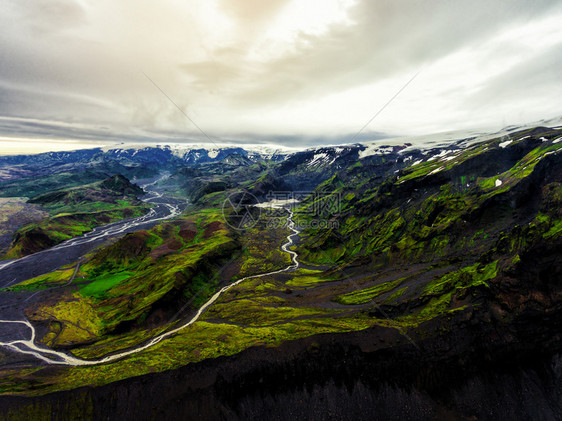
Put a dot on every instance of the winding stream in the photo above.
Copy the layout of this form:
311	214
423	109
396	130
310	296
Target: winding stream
28	346
165	208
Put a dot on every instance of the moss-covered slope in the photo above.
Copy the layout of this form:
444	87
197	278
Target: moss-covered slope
464	241
75	211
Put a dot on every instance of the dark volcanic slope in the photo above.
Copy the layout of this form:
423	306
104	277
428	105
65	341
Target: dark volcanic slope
351	376
433	293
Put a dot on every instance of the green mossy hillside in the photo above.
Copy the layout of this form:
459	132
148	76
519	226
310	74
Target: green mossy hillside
421	249
449	217
111	193
420	215
54	230
75	211
145	278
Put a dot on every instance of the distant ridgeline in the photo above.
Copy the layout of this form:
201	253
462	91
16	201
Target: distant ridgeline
427	276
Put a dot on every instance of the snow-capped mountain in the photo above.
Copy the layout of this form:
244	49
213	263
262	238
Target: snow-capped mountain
320	161
195	153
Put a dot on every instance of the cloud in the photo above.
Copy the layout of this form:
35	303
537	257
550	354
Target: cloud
275	69
387	37
253	13
529	88
62	15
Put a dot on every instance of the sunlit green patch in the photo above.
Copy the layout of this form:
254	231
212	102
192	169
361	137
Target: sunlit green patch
49	280
254	287
392	298
309	280
470	276
73	320
367	295
98	287
115	343
555	229
437	306
250	313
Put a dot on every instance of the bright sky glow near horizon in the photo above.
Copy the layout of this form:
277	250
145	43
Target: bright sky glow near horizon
295	72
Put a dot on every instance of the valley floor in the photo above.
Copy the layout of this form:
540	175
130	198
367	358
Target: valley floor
434	293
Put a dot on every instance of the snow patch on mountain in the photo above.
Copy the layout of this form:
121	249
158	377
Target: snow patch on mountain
213	153
180	149
375	150
319	159
436	170
504	144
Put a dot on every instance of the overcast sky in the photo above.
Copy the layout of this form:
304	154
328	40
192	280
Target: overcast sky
292	71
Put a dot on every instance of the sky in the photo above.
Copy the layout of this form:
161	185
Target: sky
294	72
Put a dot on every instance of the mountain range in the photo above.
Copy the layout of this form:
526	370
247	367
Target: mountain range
411	279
